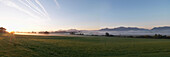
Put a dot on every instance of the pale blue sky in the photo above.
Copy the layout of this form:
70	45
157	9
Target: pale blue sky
83	14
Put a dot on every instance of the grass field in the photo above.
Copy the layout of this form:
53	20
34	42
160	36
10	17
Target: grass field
85	46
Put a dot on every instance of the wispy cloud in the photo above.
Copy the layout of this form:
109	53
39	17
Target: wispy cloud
42	7
12	4
33	13
21	1
57	4
35	7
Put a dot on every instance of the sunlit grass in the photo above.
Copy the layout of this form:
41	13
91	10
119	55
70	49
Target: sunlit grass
53	46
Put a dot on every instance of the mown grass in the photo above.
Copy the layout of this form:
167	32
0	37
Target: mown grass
84	46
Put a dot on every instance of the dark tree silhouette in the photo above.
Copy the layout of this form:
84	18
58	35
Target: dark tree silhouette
2	30
107	34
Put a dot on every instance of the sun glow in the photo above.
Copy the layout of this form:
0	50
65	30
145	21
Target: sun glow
12	32
9	31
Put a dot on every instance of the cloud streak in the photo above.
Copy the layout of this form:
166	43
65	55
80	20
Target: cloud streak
57	4
21	1
42	7
38	11
12	4
35	7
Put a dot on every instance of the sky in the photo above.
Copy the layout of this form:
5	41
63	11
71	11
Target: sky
52	15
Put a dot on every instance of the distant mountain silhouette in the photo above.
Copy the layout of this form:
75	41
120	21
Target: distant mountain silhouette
124	29
161	28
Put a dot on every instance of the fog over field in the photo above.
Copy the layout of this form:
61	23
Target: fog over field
165	32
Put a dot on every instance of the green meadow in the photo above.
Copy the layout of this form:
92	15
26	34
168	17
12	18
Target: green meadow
82	46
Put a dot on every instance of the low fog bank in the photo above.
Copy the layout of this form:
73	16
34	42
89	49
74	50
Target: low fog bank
133	33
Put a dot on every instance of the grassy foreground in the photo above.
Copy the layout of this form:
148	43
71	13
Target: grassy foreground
87	46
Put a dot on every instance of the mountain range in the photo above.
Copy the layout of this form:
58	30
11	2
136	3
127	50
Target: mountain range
135	29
